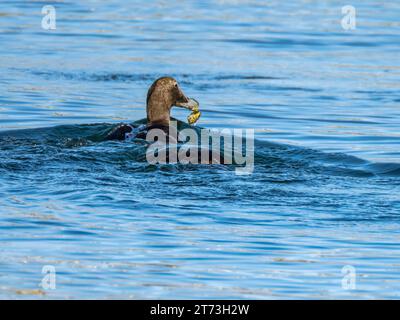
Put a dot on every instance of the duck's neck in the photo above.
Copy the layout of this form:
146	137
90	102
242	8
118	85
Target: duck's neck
158	114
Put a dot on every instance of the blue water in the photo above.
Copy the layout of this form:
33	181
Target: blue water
324	194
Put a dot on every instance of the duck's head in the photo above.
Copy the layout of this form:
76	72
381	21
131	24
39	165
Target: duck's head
163	94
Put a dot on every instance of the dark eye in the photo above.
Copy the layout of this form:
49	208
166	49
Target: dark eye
176	85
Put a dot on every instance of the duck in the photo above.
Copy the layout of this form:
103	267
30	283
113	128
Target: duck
163	94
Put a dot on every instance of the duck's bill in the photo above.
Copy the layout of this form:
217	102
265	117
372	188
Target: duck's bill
190	104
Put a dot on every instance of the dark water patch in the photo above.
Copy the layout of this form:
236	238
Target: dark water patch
390	169
57	35
79	233
80	144
366	122
274	43
364	44
244	77
82	76
325	97
127	77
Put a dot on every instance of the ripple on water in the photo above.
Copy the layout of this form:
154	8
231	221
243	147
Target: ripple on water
324	191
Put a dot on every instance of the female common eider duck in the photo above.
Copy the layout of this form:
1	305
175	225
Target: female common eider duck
163	94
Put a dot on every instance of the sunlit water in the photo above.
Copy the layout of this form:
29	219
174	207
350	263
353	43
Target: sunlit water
325	190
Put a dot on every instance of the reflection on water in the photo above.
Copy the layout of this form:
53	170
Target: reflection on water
324	194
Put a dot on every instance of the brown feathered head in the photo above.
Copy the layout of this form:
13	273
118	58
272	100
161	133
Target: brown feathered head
163	94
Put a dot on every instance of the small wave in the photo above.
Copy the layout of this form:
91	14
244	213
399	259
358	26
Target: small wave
386	169
147	77
46	143
104	77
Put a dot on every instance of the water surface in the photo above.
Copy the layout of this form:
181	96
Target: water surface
325	189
